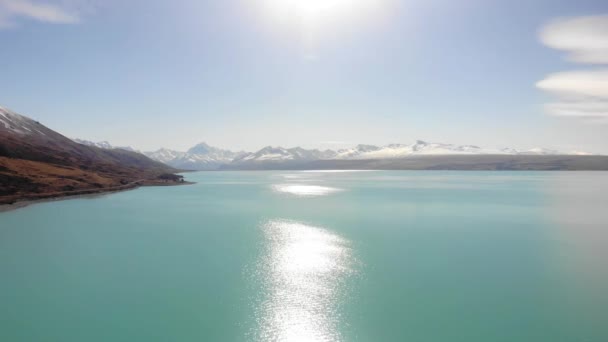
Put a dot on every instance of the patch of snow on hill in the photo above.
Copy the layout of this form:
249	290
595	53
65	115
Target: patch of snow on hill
18	123
104	145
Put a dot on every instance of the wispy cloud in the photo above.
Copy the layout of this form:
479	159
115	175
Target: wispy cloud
579	93
11	11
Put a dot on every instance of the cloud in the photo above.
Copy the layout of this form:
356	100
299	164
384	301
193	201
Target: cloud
584	38
586	83
579	93
595	110
55	13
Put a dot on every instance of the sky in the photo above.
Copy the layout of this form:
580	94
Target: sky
244	74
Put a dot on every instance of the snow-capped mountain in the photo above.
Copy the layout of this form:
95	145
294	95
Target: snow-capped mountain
371	152
206	157
268	153
418	148
214	153
165	155
200	157
279	154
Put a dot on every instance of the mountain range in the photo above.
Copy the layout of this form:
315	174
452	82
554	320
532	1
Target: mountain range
206	157
37	162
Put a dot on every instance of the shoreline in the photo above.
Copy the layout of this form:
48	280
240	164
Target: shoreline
26	201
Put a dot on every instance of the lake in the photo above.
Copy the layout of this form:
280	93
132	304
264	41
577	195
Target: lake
315	256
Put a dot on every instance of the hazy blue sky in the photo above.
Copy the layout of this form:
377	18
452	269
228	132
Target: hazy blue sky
243	74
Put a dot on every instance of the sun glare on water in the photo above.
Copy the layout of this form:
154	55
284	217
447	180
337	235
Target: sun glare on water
304	273
305	190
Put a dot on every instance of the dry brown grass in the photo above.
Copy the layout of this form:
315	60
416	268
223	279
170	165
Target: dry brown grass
20	177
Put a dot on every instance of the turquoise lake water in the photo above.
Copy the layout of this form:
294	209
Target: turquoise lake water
315	256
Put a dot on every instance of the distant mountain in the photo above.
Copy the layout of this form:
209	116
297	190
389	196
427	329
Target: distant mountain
165	155
200	157
206	157
37	162
277	155
423	148
420	155
394	151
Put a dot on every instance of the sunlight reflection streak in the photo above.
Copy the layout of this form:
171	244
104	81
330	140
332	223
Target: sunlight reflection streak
305	190
305	270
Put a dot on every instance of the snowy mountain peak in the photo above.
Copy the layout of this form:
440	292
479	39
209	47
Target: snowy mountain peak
202	148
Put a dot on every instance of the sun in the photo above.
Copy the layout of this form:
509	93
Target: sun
318	21
311	7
